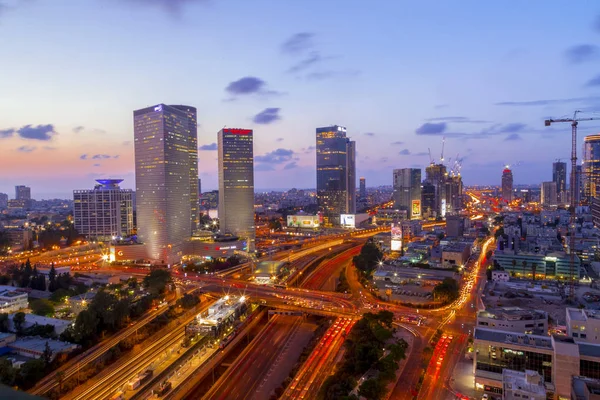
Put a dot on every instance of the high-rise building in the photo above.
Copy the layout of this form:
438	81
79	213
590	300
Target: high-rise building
22	193
548	195
104	212
454	191
336	173
199	187
3	200
559	176
407	191
166	175
436	175
507	184
236	183
362	193
428	200
578	184
591	167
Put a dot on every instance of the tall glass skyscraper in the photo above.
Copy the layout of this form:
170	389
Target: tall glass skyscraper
407	191
336	173
436	175
591	167
236	183
166	175
507	184
559	176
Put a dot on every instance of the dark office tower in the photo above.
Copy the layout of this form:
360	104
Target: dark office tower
578	184
591	168
362	192
436	175
336	174
407	191
22	193
199	187
192	128
236	183
507	184
166	173
3	201
428	200
548	195
559	176
454	190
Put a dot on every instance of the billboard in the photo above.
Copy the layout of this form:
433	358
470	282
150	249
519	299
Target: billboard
416	208
396	245
396	242
443	211
303	221
348	220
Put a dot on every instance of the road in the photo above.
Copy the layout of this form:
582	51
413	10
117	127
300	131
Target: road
242	378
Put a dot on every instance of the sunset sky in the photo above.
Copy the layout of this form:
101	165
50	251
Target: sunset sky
400	75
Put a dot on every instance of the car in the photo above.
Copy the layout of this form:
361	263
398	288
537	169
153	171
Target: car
484	397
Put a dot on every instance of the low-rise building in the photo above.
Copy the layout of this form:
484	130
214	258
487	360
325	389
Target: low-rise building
31	319
585	388
583	325
551	265
455	255
34	346
12	300
501	276
6	338
527	385
514	319
81	302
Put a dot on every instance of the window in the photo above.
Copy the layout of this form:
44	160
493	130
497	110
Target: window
575	334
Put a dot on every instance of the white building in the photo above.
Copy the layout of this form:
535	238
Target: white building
105	211
34	346
527	385
583	325
31	319
11	300
514	319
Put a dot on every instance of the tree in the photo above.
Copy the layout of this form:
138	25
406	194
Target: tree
4	322
372	389
446	291
59	376
18	321
369	257
524	263
86	326
52	278
7	372
156	281
47	354
31	372
42	307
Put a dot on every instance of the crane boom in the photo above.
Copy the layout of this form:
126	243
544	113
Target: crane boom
443	144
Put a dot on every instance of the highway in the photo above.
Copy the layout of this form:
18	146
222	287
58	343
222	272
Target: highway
91	355
241	379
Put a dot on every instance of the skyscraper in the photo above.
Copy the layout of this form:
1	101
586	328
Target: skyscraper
591	167
578	184
105	211
507	184
362	193
3	200
336	173
454	191
166	175
436	175
22	193
427	199
549	194
236	183
407	191
559	176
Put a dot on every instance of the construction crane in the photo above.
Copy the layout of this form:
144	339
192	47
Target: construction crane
443	144
574	122
430	158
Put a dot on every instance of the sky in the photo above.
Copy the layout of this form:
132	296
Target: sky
400	75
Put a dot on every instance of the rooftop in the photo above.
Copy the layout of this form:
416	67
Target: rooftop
492	335
38	344
583	315
528	381
512	314
9	291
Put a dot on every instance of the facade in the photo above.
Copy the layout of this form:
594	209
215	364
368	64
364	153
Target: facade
549	195
550	265
236	183
407	191
455	226
436	174
12	301
455	255
166	174
34	346
22	193
578	184
501	276
527	385
3	201
583	325
362	193
514	319
507	184
336	173
105	211
559	176
454	189
591	167
428	209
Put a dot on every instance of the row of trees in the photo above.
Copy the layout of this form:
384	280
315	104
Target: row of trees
368	258
213	265
364	351
28	276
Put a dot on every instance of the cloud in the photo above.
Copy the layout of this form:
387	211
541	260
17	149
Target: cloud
547	102
312	59
267	116
172	6
83	157
595	81
39	132
298	43
457	120
369	134
404	152
26	149
279	139
291	165
278	156
596	24
429	128
582	53
421	153
397	143
100	156
48	148
309	149
208	147
96	165
264	167
248	85
440	106
512	136
322	75
78	129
